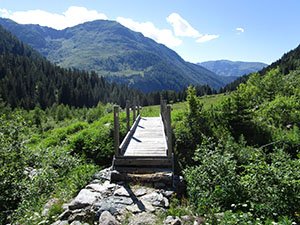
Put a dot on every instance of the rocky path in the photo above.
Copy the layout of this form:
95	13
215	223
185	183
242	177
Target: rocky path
102	202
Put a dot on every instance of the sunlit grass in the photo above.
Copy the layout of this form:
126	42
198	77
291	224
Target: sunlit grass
208	100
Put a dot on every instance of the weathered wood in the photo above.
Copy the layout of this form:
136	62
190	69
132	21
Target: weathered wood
154	177
169	130
147	136
128	136
146	161
116	130
133	110
127	115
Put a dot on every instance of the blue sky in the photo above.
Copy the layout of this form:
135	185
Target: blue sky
198	30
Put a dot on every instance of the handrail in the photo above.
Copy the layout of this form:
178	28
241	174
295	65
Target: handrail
129	134
129	130
165	112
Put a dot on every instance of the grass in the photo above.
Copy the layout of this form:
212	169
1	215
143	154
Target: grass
207	100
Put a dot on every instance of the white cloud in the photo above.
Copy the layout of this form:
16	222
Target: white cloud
163	36
240	30
207	37
181	26
73	16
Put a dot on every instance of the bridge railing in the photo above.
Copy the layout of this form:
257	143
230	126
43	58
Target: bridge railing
130	130
165	113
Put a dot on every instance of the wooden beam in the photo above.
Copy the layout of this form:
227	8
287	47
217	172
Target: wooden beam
134	108
169	130
116	130
128	115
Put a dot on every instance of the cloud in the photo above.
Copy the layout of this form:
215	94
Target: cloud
181	26
163	36
240	30
207	37
73	16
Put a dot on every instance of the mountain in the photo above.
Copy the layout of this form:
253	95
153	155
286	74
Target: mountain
230	68
114	51
288	62
28	79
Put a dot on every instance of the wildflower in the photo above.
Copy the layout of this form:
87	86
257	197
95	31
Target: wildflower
294	223
232	205
297	214
244	205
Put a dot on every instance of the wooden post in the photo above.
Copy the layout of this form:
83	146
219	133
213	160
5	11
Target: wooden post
165	107
169	130
128	115
161	105
138	107
116	130
134	108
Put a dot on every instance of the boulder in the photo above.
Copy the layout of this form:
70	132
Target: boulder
107	219
143	218
123	191
84	198
156	199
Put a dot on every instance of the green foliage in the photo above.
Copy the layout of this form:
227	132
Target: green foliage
245	152
12	164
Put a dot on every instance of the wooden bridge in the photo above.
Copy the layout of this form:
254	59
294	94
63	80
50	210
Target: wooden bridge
147	147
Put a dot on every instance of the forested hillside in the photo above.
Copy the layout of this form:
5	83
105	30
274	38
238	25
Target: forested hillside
288	62
114	51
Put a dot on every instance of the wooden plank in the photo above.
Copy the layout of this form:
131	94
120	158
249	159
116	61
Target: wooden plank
143	162
148	139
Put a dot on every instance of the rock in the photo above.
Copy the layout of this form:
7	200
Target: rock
48	205
103	174
123	191
143	218
140	192
80	216
97	187
76	223
121	200
172	220
59	222
166	202
197	220
109	185
107	219
65	215
65	207
167	193
156	199
106	205
134	208
148	206
96	181
84	198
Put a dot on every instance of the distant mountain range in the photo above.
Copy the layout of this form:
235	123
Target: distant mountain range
117	53
229	68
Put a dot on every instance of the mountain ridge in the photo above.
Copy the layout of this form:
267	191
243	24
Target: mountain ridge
117	52
232	68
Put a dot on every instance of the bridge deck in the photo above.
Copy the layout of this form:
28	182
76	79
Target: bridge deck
148	139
